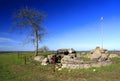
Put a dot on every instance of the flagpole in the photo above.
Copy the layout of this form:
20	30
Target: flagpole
101	32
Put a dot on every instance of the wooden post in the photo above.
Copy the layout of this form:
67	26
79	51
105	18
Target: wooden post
25	60
18	54
54	58
30	58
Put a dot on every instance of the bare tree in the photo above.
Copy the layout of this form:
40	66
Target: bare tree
43	49
31	20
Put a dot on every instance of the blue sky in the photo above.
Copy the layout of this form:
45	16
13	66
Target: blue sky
70	24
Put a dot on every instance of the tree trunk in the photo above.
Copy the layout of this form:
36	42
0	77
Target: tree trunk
36	43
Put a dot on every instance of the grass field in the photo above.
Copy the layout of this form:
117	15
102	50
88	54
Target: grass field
13	68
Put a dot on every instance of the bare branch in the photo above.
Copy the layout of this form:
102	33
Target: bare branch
31	20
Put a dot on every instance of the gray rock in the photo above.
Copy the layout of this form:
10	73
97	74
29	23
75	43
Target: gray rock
86	66
50	58
113	56
39	58
71	50
95	53
66	58
106	63
72	55
95	64
103	57
64	65
44	61
99	54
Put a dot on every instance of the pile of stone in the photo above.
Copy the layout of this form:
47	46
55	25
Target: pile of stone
99	54
98	57
69	59
60	54
45	60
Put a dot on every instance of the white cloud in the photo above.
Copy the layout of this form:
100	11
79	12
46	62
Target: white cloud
2	39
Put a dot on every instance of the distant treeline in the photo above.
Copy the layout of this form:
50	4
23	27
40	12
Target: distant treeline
20	51
1	52
13	51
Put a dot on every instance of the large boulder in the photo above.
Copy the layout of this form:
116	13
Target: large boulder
66	51
104	57
71	50
72	55
44	61
94	54
62	51
39	58
113	56
98	54
50	58
65	59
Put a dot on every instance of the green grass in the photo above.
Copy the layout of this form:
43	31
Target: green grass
13	68
85	59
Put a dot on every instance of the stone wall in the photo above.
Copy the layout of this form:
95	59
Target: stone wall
85	65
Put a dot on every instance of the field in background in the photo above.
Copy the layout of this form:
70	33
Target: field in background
12	68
